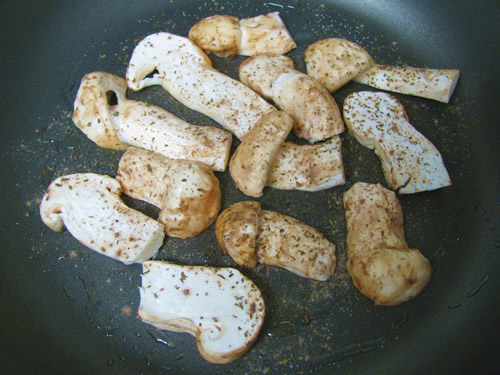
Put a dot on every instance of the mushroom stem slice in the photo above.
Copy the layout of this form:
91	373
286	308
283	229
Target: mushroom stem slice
250	164
221	307
307	167
250	235
411	163
187	192
152	128
380	263
227	36
90	207
186	72
436	84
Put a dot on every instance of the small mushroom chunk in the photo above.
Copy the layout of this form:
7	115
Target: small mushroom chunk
90	207
380	263
249	165
307	167
186	72
228	36
221	307
315	112
411	163
249	235
334	62
143	125
187	192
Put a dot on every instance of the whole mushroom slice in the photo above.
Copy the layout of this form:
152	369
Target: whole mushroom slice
249	166
221	307
334	62
250	235
228	36
187	192
411	163
108	118
186	72
307	167
315	112
380	263
90	207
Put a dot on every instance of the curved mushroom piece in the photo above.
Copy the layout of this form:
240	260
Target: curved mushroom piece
307	167
90	207
186	72
228	36
250	164
411	163
334	62
109	119
316	114
221	307
187	192
249	235
380	263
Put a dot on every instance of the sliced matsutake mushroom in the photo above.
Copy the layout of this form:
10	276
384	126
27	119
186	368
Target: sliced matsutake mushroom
187	192
334	62
250	235
250	164
109	119
307	167
221	307
227	36
186	72
315	112
380	263
411	163
90	207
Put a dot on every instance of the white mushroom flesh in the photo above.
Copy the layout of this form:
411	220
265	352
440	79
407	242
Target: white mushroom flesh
221	307
411	163
187	192
90	207
307	167
186	72
380	263
249	165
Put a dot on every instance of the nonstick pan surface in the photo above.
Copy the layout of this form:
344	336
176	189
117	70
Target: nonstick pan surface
65	309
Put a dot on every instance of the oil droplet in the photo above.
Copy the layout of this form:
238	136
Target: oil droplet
455	305
110	362
478	287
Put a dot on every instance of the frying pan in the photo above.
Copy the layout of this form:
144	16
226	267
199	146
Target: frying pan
65	309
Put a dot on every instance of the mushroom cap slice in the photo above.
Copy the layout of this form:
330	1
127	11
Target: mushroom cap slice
307	167
186	72
220	34
250	235
236	230
249	165
334	61
93	111
221	307
380	263
411	163
187	192
90	207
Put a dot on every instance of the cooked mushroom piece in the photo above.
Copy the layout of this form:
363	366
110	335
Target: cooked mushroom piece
315	112
411	163
250	235
90	207
221	307
186	72
109	119
187	192
334	62
380	263
228	36
250	164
